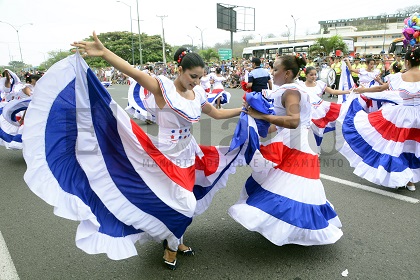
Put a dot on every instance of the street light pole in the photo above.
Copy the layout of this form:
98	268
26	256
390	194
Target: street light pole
288	34
138	22
192	42
163	40
131	26
294	33
202	43
17	32
383	43
260	39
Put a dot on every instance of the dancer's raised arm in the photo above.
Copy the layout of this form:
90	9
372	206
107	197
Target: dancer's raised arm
97	49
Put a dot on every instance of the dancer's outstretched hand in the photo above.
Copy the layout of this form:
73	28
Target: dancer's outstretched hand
95	48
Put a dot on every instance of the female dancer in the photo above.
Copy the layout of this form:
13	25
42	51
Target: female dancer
284	198
324	113
101	168
383	146
218	95
368	76
205	81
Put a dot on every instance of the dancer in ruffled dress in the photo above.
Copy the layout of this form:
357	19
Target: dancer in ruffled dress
284	199
383	146
218	96
205	81
99	167
324	113
12	111
367	77
9	84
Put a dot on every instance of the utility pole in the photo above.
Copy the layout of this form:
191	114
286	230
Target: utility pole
131	30
138	23
163	40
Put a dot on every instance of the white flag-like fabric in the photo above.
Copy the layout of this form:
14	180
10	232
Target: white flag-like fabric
346	83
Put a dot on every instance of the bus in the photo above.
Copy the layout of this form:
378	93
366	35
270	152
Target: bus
271	51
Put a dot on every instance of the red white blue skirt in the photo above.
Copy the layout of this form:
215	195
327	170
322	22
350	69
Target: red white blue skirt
216	94
382	146
324	116
10	128
89	160
284	199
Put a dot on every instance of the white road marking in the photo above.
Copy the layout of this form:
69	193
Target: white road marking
7	268
370	189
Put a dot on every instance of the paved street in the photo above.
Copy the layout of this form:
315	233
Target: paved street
381	229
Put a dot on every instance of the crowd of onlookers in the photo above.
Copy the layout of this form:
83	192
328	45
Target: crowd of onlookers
235	69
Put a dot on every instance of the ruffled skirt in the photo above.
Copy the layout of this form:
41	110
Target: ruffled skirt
89	160
324	116
284	199
382	146
216	94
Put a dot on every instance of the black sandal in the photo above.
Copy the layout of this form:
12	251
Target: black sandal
188	252
170	265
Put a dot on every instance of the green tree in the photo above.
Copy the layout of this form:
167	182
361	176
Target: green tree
209	55
328	45
121	44
16	66
53	57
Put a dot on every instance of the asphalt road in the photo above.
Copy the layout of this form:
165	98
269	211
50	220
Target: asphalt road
380	241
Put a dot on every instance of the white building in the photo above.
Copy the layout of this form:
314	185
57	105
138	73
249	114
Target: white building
369	41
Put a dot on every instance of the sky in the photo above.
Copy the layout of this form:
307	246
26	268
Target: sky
51	25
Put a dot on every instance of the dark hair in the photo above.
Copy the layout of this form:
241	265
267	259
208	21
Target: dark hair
413	56
293	63
256	60
218	70
36	77
396	67
309	69
369	60
187	59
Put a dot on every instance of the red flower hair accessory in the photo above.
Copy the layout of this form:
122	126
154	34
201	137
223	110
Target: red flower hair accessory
181	55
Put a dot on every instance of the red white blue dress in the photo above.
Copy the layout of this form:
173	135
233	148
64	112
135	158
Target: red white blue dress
324	113
14	102
383	146
89	160
284	198
218	91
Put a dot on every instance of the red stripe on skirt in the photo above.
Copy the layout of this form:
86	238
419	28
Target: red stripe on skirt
330	116
390	131
184	177
292	161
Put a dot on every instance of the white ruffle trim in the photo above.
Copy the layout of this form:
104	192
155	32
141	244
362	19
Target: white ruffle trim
378	175
281	233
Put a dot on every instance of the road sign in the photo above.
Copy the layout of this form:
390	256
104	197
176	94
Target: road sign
225	54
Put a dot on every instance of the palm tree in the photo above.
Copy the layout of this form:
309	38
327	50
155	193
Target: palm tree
209	55
328	45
